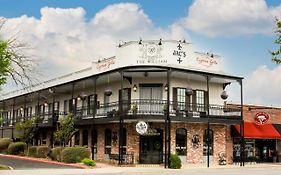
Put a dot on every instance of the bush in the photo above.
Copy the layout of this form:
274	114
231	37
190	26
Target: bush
32	151
43	151
89	162
75	154
56	153
4	144
17	148
175	161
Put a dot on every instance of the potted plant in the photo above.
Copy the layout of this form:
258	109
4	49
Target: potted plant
165	108
134	108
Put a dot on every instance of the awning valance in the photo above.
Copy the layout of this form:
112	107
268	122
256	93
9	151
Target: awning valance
252	130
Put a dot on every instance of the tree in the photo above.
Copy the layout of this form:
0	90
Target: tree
276	55
14	63
65	129
28	129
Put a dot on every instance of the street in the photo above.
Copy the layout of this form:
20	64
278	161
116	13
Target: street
227	170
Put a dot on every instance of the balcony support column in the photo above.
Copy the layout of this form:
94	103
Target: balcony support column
242	142
13	119
121	120
208	124
94	107
168	124
24	108
38	117
72	99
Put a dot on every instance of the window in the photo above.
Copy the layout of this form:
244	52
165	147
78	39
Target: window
65	107
77	138
181	141
211	142
106	103
107	141
126	99
181	98
200	100
85	137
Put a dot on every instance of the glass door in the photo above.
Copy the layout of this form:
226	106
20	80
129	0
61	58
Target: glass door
150	99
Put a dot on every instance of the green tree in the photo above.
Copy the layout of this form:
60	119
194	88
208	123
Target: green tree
27	129
65	129
14	63
276	55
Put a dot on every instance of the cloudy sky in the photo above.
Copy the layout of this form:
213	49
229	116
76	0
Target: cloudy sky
65	35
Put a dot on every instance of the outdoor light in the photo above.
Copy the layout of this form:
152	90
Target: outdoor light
78	98
45	104
166	87
160	42
188	91
135	88
108	90
83	95
21	108
140	42
224	95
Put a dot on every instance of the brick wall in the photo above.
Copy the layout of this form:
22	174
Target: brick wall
222	140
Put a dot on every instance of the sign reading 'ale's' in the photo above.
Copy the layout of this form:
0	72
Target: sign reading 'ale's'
261	118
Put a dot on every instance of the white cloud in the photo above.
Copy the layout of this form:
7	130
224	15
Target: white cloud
263	86
64	41
231	18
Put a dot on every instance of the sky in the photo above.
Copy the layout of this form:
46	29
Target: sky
67	35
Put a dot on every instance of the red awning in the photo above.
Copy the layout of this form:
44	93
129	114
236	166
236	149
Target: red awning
252	130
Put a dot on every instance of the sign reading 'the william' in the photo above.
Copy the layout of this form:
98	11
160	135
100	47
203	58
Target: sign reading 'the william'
165	53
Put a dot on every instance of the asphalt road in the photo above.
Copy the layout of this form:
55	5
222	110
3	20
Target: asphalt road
266	170
26	164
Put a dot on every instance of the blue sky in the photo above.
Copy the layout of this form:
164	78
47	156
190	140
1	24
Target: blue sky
241	31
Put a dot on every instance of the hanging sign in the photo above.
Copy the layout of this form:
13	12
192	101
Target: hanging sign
261	118
141	127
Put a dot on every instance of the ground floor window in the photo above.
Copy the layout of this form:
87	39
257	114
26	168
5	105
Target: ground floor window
181	141
256	150
107	141
209	139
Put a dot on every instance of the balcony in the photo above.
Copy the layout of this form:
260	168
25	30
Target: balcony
156	109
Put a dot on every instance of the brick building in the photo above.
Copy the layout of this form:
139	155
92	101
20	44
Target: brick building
152	99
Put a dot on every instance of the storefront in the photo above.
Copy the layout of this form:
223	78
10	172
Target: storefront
261	137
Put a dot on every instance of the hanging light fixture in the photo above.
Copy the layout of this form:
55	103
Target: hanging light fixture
45	104
224	95
135	88
188	90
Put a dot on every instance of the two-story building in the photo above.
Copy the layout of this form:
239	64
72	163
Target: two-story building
151	99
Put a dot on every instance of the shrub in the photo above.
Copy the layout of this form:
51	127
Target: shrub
43	151
4	144
175	161
17	148
75	154
32	151
56	153
89	162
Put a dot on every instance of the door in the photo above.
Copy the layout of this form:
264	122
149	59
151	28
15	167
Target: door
150	98
151	148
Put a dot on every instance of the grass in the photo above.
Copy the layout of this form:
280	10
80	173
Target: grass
4	167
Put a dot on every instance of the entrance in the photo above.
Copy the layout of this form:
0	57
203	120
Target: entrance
151	147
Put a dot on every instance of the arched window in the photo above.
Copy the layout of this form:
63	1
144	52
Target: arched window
211	142
181	141
107	141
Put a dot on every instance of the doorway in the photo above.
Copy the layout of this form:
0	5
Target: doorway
151	148
150	98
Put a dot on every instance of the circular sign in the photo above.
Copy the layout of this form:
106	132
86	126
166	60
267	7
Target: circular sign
141	127
261	118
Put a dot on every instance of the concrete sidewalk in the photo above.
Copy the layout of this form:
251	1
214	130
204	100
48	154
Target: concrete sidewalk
198	169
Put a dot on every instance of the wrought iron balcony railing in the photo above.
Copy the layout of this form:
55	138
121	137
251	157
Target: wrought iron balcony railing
141	107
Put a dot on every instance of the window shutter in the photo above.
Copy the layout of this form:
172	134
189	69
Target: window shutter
175	100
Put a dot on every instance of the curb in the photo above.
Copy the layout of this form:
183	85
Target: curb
45	161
